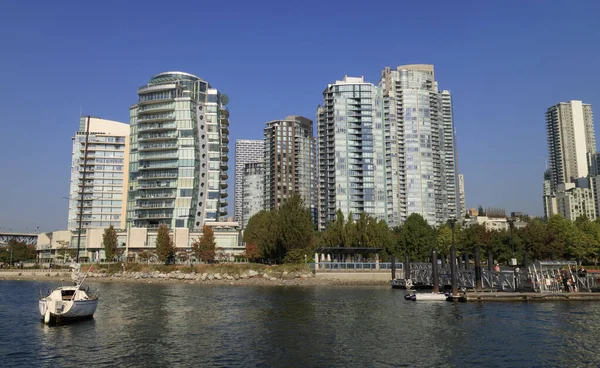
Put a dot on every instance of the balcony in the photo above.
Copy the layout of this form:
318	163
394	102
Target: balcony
157	127
157	146
157	137
224	194
151	215
155	118
224	175
157	175
146	156
150	205
158	165
156	108
157	195
157	185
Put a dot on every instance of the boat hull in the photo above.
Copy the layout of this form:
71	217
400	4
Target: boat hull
431	297
59	309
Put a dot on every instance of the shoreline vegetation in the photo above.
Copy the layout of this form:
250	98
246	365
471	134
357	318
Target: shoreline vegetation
203	274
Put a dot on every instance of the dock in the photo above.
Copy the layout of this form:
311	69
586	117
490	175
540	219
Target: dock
506	296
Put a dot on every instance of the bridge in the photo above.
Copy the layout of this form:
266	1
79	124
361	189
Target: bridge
27	238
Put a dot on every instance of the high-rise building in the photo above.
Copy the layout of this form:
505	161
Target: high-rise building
246	151
575	200
352	151
290	153
549	198
462	200
252	191
571	139
421	146
105	186
179	153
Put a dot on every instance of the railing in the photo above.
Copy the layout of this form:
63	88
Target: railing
355	266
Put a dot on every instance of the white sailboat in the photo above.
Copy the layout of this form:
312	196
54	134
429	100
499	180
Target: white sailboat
69	302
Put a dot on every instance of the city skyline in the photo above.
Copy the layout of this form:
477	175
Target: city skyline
499	98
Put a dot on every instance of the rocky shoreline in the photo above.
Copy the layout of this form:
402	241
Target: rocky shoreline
249	277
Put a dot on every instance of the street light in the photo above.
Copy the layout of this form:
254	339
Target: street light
511	223
453	274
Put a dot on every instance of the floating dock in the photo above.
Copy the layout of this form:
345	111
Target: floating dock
505	296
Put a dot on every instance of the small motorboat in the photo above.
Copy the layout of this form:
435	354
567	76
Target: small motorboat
69	302
426	297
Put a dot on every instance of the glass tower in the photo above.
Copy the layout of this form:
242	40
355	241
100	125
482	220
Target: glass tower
179	153
422	150
352	151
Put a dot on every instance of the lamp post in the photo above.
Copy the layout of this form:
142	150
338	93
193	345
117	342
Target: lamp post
511	223
453	274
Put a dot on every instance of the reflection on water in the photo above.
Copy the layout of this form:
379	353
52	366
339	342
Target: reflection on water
155	325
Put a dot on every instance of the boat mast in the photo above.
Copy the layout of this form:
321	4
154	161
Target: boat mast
85	154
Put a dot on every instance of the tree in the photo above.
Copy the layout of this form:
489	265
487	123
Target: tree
21	251
207	245
252	252
335	234
415	239
64	251
165	250
295	224
444	241
110	242
263	230
534	236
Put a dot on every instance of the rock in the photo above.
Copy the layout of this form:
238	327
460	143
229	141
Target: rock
204	276
211	276
218	276
191	276
252	273
284	273
276	275
287	276
266	276
229	277
272	279
225	275
236	277
180	277
244	275
198	278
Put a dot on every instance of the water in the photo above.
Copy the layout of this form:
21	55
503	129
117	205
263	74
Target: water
183	325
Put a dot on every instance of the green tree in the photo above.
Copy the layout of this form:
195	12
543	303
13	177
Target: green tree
295	224
585	240
110	242
335	234
415	239
444	241
207	245
21	252
534	236
263	230
165	250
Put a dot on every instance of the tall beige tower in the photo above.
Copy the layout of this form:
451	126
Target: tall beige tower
570	128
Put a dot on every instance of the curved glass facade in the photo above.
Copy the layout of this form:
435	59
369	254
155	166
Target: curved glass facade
178	160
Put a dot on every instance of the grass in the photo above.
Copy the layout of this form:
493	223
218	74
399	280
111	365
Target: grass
229	268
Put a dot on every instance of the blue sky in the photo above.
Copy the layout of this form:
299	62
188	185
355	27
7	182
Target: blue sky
504	61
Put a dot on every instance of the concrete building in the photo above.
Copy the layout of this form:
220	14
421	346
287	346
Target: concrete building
421	148
105	188
574	200
462	200
492	223
290	161
246	151
353	176
548	196
179	153
570	129
134	241
253	191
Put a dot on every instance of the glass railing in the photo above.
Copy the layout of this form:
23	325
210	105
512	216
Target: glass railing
158	126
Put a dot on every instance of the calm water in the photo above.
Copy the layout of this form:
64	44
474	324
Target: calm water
142	325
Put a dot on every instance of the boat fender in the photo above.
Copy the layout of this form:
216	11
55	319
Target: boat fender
47	317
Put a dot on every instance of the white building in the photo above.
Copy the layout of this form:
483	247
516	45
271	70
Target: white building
353	175
253	188
134	241
179	153
104	192
421	144
462	200
246	151
573	201
570	129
